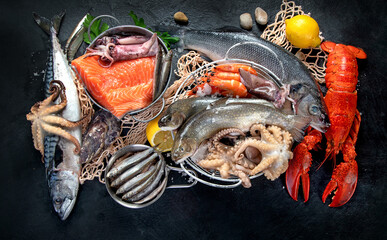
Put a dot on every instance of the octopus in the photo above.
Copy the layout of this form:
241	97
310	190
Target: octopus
45	119
267	151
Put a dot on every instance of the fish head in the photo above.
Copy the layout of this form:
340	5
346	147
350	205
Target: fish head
183	149
63	187
171	121
312	106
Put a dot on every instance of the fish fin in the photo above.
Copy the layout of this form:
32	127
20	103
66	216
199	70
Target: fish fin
46	24
43	22
221	101
301	123
56	20
259	86
287	108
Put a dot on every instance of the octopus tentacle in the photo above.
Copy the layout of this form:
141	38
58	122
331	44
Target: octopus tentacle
224	170
263	165
215	140
212	164
271	152
243	145
62	133
52	119
38	137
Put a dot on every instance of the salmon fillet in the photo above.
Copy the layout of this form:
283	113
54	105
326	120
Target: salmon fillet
124	86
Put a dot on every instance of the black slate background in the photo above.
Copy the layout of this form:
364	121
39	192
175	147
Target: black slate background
263	212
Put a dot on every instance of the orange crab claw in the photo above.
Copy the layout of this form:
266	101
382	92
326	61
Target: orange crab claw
344	180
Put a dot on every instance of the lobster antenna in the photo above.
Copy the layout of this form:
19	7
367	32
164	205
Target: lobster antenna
328	154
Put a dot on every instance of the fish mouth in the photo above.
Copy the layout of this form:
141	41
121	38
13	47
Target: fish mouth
321	123
167	128
66	208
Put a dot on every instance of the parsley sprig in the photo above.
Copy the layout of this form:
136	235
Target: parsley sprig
165	36
95	29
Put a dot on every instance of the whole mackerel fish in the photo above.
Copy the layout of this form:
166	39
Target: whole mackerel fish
62	178
223	115
233	43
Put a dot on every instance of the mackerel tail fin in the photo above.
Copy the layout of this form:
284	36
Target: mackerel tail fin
300	124
46	24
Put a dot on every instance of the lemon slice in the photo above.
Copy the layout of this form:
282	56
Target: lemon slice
157	137
302	31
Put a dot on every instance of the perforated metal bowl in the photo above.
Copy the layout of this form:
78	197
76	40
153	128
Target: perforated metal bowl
127	149
213	178
126	30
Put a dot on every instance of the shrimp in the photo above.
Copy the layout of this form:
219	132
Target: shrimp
233	87
234	68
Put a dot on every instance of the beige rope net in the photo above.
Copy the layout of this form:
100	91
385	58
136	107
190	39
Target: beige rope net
314	58
133	131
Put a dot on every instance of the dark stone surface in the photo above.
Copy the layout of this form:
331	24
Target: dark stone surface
264	211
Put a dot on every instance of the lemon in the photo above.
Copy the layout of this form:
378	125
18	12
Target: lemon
302	31
157	137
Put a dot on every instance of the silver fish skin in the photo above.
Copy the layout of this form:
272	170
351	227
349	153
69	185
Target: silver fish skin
205	124
133	171
63	179
129	161
165	69
103	129
237	44
75	40
150	186
140	178
154	193
149	181
182	109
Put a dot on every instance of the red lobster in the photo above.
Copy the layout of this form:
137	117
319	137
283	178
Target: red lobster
341	100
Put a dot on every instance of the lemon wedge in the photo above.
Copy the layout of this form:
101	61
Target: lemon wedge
157	137
302	31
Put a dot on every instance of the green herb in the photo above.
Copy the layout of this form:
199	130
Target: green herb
95	29
138	22
165	36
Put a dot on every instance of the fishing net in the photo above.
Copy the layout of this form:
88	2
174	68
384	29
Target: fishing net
313	58
87	109
133	131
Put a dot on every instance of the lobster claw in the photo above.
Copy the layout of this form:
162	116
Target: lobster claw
344	179
298	170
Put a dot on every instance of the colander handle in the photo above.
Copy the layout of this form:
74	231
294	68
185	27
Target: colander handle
194	176
95	19
182	185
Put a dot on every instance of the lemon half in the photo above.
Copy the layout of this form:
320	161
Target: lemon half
157	137
302	31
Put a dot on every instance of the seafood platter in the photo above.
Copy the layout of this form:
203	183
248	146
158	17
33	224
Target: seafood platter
243	106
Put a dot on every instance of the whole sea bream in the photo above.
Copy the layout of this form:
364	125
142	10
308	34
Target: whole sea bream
63	177
223	115
288	69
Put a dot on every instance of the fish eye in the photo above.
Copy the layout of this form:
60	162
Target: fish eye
314	110
295	88
58	201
